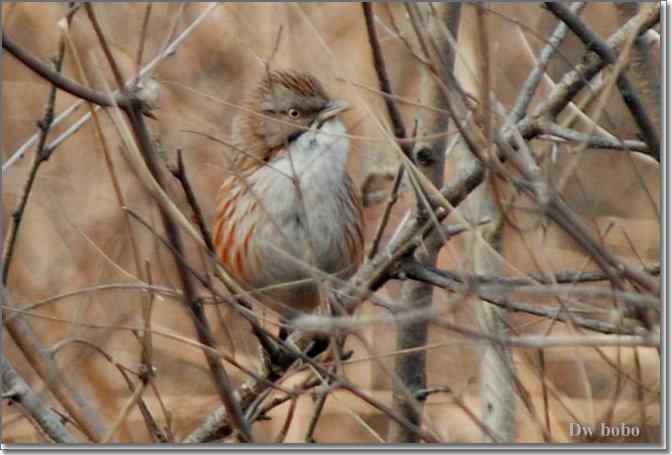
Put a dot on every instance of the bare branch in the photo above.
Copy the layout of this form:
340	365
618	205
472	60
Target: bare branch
607	54
60	81
532	82
16	389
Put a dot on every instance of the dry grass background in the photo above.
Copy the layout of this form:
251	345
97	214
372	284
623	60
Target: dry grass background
73	235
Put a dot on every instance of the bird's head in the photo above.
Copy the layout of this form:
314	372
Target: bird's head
290	104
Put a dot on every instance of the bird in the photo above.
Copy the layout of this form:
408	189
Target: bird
288	213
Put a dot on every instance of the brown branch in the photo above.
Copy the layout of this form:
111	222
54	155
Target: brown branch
645	75
315	417
383	79
181	174
152	427
565	217
629	93
201	323
60	81
333	325
397	418
391	201
134	112
167	50
88	6
216	426
557	210
280	438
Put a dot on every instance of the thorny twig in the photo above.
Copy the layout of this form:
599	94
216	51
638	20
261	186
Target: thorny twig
40	157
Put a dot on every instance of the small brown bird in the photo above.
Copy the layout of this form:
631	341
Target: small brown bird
289	208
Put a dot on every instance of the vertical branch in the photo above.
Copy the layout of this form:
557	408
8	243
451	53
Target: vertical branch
430	159
381	72
135	111
496	371
18	328
201	323
40	157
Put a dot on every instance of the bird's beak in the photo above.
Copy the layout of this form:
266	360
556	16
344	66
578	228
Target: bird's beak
332	110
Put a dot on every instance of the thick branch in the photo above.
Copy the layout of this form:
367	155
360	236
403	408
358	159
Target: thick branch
60	81
630	95
591	65
16	389
430	159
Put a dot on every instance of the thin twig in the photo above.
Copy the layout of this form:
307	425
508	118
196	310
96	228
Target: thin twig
392	199
137	393
109	164
167	50
152	427
413	270
592	141
532	82
40	157
143	38
181	175
20	331
134	113
116	72
383	79
315	417
280	438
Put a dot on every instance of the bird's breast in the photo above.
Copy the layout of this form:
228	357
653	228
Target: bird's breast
294	215
303	191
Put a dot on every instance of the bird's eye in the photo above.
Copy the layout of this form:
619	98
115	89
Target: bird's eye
293	113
